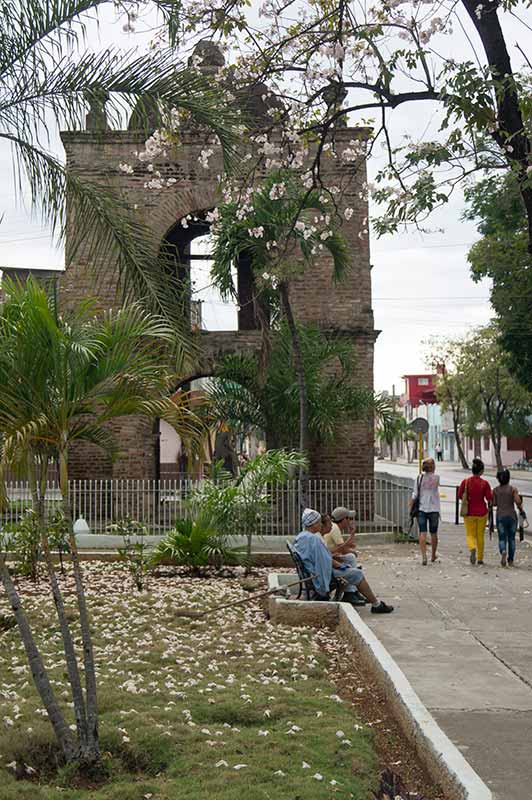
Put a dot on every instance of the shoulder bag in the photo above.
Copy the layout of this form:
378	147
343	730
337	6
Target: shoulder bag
464	504
414	510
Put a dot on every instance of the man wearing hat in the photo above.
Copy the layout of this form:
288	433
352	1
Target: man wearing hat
342	521
319	562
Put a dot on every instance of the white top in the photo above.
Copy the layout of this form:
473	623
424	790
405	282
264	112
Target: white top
430	492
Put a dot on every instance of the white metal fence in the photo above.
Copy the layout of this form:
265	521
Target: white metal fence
381	503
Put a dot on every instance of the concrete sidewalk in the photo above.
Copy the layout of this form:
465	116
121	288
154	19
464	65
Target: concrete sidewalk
444	467
463	637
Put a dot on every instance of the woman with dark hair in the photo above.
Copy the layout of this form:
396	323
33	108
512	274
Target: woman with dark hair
478	499
505	498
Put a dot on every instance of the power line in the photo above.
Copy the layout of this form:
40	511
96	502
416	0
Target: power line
26	239
414	299
425	247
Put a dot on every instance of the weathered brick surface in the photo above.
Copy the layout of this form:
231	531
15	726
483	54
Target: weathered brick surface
346	306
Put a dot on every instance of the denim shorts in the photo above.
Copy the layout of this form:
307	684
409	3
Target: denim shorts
433	519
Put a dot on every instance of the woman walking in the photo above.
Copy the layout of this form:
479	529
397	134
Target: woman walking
427	494
505	498
478	498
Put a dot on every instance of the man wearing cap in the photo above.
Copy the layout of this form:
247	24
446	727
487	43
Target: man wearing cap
342	520
319	562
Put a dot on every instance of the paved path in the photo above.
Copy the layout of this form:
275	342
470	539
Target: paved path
463	637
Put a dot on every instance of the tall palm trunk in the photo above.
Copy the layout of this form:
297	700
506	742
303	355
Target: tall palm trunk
38	670
91	749
38	497
302	388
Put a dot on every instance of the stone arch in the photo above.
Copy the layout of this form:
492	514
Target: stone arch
95	155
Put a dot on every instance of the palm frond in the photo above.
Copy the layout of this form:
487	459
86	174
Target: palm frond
105	228
152	82
43	25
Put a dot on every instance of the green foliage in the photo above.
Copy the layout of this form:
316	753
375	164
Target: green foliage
289	239
134	553
251	401
238	504
477	384
25	544
59	531
194	543
63	377
502	255
47	80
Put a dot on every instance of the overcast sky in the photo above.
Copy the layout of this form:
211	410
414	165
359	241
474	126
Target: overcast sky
421	282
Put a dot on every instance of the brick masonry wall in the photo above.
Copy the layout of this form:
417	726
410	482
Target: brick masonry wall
95	156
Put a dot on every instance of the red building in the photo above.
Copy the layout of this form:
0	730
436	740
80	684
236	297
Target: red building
419	389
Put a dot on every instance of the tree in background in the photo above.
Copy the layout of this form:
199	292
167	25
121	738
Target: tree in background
442	358
250	401
392	429
493	396
502	255
62	379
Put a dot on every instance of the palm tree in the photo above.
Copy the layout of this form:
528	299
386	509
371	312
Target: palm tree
250	402
46	81
61	380
277	235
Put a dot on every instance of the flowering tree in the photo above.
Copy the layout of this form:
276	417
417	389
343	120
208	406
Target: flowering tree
325	61
281	226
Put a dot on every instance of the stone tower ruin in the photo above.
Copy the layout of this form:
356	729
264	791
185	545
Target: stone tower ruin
343	309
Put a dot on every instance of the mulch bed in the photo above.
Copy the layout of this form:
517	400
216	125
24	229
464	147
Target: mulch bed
403	775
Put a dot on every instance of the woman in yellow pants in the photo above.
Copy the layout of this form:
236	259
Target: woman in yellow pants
479	498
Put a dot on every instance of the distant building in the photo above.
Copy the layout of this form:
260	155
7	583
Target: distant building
419	400
21	274
513	448
420	391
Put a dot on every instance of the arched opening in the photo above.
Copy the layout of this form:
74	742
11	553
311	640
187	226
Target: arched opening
186	249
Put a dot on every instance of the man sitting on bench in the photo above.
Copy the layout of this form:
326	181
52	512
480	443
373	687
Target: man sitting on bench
318	561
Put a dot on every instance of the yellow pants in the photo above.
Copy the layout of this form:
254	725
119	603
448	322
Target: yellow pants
474	528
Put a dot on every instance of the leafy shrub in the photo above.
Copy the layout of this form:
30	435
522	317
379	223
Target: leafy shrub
25	544
194	543
135	554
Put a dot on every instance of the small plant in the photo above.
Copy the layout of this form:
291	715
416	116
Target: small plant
194	543
58	533
134	553
238	504
25	544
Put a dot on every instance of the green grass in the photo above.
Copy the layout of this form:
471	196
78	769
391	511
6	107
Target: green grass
177	697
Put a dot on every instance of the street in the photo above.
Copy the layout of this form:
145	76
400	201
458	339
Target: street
451	477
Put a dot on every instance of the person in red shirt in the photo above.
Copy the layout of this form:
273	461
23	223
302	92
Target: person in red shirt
479	499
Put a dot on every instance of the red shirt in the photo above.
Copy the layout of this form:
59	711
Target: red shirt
478	495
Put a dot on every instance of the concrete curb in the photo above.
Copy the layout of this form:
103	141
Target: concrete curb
442	759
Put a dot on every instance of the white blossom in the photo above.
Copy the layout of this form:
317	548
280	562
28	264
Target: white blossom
256	233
